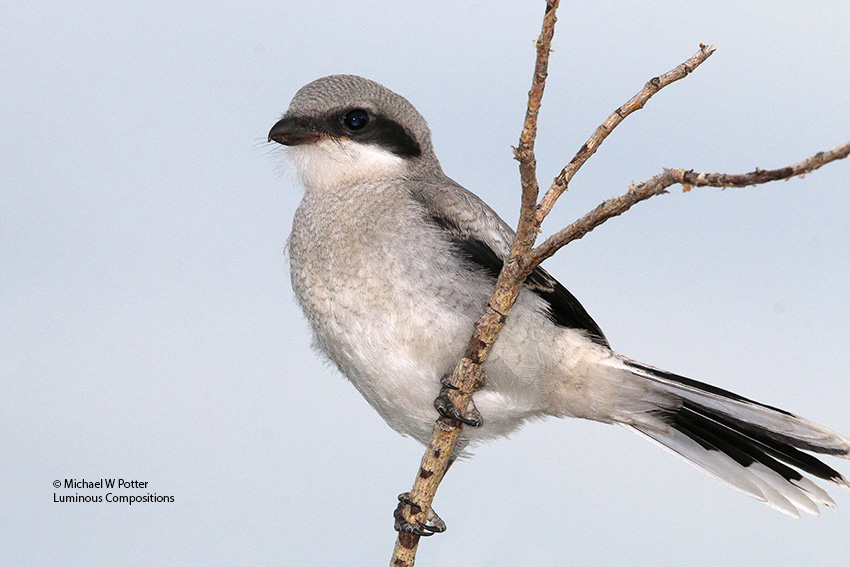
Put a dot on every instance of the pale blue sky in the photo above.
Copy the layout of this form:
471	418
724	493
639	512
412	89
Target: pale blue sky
148	326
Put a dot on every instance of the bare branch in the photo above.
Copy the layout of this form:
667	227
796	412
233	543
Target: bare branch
562	181
689	178
468	375
659	184
524	152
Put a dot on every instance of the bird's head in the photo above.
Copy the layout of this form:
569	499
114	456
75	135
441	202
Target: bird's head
345	129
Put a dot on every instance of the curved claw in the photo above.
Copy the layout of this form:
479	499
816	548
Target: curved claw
433	524
446	381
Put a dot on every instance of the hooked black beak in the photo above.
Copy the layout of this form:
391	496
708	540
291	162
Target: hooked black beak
292	131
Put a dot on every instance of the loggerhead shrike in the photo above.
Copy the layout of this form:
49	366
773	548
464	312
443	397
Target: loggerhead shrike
392	262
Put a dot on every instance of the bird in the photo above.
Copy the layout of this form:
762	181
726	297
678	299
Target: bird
392	261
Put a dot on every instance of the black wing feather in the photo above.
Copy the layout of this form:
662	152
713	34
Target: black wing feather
564	309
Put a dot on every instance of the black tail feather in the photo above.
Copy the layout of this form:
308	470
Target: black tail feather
760	444
755	448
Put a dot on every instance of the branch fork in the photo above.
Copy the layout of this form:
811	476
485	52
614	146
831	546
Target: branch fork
524	257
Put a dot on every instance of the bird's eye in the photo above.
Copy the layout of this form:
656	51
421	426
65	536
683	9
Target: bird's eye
356	119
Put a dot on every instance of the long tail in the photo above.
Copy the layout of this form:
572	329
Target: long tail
752	447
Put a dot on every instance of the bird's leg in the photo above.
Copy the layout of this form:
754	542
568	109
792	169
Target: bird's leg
433	524
446	407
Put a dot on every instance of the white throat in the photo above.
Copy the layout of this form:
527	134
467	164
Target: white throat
331	163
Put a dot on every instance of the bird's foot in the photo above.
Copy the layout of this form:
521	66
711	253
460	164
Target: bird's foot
433	524
447	408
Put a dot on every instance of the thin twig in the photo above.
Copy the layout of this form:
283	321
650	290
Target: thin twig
468	375
562	181
524	152
658	185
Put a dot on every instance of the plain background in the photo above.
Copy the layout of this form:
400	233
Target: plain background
148	327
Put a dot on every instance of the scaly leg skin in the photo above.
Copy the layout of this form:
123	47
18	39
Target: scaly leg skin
447	408
432	524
